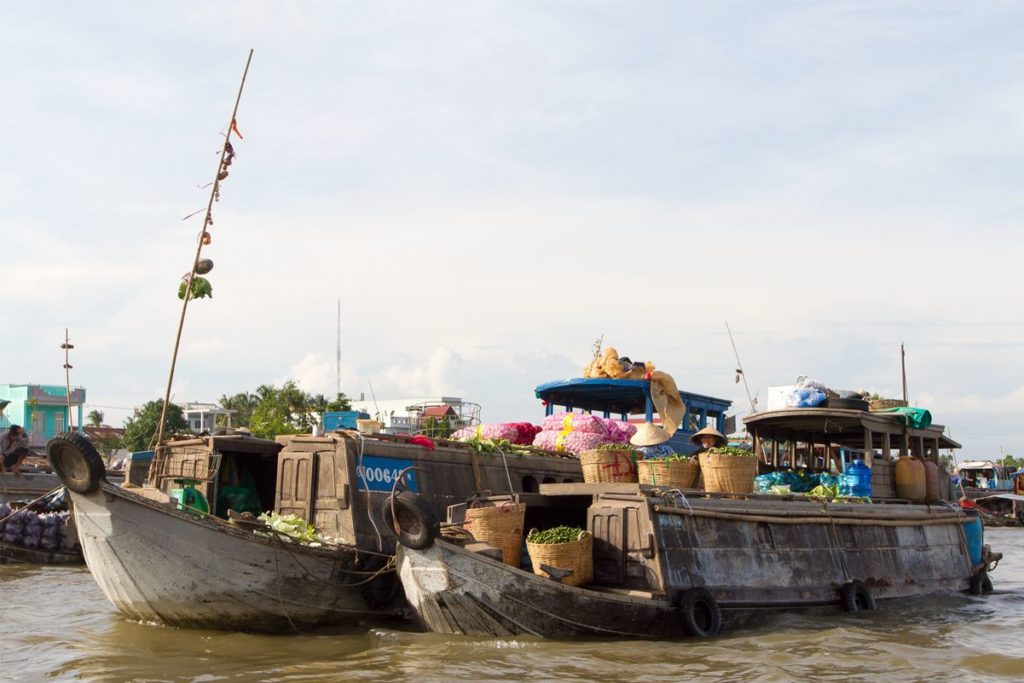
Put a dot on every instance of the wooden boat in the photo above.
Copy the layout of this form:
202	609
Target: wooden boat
670	562
667	564
70	552
157	559
11	553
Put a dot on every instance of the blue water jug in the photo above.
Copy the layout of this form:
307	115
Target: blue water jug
856	480
974	535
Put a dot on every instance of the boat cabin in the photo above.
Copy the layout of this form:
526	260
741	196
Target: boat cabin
820	438
985	474
623	398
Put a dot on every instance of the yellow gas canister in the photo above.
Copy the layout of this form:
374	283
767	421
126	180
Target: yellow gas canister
910	479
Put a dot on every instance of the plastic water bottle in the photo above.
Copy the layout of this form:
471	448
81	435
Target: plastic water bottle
856	480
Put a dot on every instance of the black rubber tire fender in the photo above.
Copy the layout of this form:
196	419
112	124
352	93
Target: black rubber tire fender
855	597
699	613
76	461
416	525
381	591
980	584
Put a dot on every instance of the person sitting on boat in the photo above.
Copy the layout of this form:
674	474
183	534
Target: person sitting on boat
13	449
709	437
650	440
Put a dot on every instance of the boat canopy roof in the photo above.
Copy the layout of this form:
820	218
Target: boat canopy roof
235	443
621	396
837	426
977	465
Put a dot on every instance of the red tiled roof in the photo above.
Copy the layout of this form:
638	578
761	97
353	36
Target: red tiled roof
438	411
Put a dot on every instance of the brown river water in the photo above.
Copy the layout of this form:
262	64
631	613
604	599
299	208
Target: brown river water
57	625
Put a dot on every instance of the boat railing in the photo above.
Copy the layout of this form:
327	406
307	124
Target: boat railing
186	463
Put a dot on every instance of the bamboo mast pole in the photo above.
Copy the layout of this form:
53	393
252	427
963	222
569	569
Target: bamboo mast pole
207	220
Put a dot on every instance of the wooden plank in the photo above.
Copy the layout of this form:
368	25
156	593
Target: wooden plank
869	448
584	489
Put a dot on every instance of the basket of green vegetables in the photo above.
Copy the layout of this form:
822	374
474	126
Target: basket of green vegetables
563	547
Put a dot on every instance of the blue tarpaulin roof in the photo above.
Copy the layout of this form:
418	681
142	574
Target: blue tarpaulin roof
618	396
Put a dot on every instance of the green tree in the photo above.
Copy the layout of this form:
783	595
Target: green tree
108	445
437	429
274	414
1011	461
96	418
243	404
141	428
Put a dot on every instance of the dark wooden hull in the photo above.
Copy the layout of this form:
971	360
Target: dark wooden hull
456	591
11	553
755	557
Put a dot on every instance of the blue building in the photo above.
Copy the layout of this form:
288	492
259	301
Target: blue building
42	409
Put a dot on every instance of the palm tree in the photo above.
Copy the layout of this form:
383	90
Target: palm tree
95	418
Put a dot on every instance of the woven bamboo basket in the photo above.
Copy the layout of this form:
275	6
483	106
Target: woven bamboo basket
885	403
576	555
501	526
728	473
603	466
681	474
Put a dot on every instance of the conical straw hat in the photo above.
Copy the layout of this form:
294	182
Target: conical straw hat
709	431
649	434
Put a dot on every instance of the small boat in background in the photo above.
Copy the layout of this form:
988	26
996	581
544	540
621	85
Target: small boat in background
40	531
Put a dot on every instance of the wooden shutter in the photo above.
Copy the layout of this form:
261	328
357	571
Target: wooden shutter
332	494
296	483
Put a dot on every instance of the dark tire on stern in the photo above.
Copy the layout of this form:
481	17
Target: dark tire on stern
416	526
699	613
855	597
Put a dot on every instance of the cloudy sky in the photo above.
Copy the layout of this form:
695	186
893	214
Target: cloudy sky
490	186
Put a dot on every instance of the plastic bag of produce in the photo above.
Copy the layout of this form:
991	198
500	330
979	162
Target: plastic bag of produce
572	442
576	422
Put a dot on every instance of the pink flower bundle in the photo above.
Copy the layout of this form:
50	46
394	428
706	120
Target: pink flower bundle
519	433
575	432
573	442
577	422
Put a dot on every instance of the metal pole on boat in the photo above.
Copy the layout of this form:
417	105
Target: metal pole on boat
200	241
67	346
739	368
903	368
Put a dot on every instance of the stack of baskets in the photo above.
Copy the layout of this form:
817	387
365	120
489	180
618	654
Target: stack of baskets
577	556
884	403
680	474
501	526
728	473
602	466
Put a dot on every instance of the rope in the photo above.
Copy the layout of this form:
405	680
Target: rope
511	489
369	504
280	598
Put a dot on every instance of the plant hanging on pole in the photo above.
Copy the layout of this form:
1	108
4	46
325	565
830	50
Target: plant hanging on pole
193	285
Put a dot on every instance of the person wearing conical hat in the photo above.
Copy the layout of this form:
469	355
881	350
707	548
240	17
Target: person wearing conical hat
651	441
709	437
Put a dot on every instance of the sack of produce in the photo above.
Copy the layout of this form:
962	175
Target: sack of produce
519	433
575	422
571	442
562	548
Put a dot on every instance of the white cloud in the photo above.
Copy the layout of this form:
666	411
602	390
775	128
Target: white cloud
832	179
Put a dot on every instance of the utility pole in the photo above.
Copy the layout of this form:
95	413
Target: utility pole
67	346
